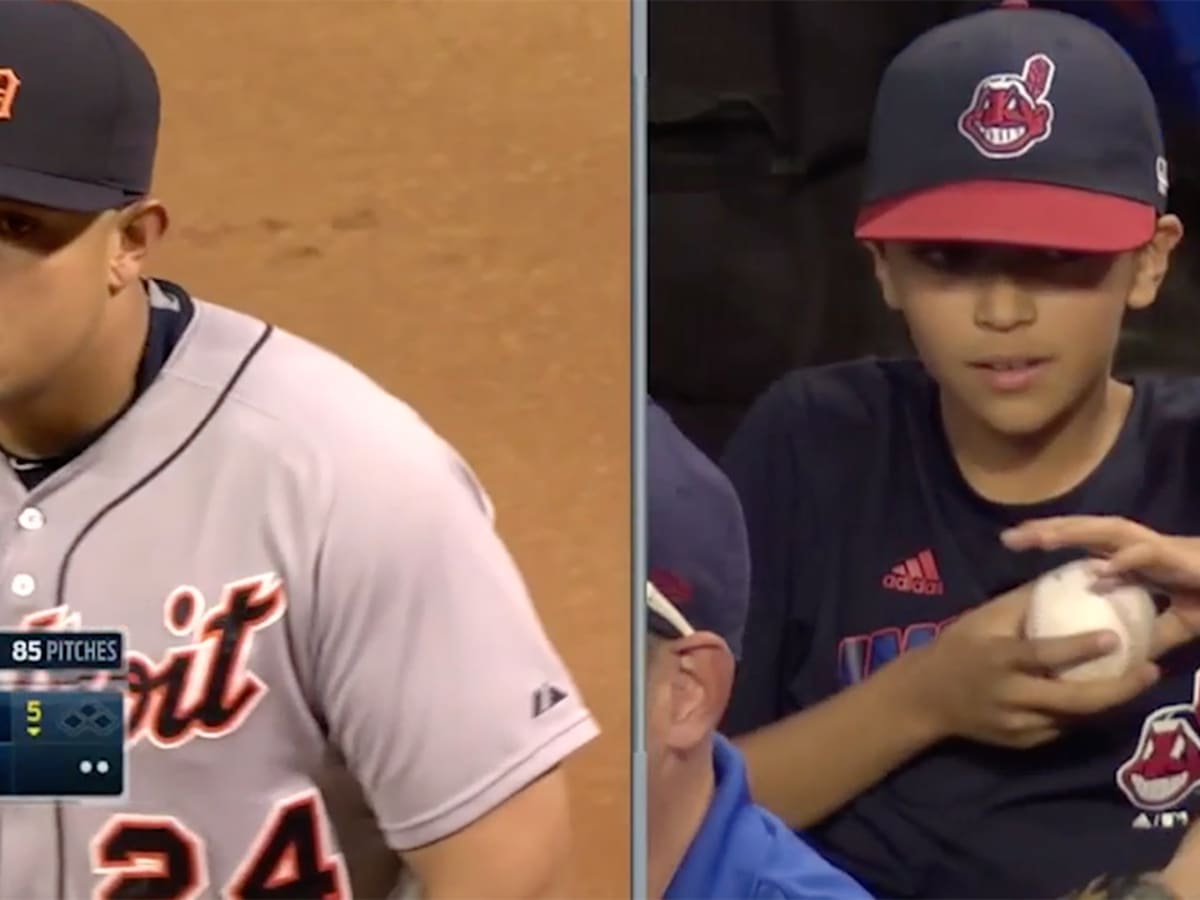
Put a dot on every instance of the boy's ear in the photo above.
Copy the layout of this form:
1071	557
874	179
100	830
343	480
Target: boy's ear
1153	261
879	265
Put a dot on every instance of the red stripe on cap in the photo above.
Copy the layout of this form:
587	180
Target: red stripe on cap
1012	212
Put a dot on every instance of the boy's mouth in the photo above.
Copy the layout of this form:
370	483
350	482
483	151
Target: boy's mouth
1010	373
1010	363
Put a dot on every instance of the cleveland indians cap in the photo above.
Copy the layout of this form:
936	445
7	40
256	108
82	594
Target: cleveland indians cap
79	108
1015	126
698	557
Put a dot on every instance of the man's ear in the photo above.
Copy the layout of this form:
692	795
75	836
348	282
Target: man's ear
1153	261
137	229
701	681
883	274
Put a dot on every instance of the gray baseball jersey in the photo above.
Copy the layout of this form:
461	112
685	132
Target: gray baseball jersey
330	651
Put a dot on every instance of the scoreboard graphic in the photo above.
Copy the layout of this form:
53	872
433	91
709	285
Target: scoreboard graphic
62	744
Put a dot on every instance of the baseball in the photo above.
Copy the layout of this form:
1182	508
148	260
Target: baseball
1063	604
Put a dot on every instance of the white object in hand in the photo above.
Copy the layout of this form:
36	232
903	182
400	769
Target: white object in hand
1064	604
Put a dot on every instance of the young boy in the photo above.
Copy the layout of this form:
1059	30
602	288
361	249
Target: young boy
1015	208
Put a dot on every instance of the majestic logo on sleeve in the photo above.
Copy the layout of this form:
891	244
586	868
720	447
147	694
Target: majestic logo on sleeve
202	688
1010	113
1164	768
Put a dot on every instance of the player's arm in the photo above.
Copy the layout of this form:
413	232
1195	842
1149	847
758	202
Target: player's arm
439	685
521	845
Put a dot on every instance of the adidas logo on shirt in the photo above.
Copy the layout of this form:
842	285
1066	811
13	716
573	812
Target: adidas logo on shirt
916	575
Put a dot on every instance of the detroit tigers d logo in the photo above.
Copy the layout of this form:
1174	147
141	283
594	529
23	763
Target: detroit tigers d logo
1009	113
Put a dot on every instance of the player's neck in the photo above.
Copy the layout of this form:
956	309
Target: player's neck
1044	465
674	816
88	391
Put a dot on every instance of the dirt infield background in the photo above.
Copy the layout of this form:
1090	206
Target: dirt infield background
439	192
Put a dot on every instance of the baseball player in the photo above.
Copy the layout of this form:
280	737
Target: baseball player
1014	209
335	672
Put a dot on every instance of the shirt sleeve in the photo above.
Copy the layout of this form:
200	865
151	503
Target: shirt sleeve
762	462
438	684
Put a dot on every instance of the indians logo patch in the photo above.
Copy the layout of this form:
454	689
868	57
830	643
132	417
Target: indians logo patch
1009	114
1164	768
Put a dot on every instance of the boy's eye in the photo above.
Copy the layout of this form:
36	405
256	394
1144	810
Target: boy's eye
964	257
949	257
1059	257
15	226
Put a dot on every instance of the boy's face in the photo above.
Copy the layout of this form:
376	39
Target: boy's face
1017	336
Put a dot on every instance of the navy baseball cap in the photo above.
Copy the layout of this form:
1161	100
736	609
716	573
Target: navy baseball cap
79	108
1015	126
697	550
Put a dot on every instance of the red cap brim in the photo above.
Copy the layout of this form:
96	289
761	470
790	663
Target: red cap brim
1012	212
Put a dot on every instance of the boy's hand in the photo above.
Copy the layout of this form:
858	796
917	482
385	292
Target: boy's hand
982	679
1168	564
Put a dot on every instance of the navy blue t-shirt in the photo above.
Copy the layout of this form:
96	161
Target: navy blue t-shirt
865	540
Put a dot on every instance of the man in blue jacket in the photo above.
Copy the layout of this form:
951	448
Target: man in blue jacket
707	839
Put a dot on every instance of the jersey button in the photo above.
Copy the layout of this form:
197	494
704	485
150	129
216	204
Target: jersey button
23	585
31	518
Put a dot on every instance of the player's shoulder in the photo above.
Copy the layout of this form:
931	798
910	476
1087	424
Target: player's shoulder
311	411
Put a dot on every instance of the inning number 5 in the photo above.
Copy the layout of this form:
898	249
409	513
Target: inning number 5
159	858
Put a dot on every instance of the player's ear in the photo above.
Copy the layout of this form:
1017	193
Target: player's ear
701	681
1152	261
883	275
137	229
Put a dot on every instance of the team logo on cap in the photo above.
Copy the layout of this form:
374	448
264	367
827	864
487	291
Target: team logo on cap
1009	113
10	84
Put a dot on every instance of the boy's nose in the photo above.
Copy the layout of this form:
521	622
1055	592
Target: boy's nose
1002	305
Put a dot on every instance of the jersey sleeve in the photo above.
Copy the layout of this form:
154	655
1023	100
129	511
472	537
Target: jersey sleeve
437	681
764	461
